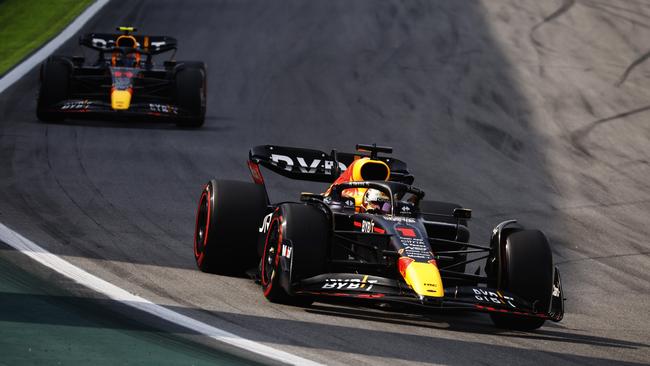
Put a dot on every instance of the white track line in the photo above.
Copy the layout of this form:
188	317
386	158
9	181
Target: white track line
19	71
95	283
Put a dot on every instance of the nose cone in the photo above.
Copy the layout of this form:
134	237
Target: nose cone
424	278
120	99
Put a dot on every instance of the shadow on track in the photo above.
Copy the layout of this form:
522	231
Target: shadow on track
14	306
468	322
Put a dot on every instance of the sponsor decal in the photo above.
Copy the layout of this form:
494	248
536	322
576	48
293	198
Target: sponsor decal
163	108
304	166
406	232
367	226
493	297
556	291
347	202
99	42
398	218
413	244
416	248
266	222
286	251
75	105
356	284
158	44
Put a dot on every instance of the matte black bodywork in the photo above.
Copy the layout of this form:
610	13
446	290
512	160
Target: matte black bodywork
364	248
152	85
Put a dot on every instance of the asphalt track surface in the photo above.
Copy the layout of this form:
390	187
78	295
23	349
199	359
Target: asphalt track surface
525	109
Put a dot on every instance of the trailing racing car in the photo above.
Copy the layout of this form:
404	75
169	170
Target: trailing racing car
370	237
123	82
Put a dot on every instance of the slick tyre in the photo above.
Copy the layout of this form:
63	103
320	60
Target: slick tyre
295	248
55	84
190	93
226	231
528	273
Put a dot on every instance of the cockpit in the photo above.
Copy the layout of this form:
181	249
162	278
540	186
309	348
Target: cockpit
126	52
382	196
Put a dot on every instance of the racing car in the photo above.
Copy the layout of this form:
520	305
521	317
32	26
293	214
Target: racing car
123	82
370	237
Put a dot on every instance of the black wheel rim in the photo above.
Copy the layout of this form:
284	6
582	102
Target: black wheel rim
201	225
270	253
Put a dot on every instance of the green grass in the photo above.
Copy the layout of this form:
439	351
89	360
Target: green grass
27	24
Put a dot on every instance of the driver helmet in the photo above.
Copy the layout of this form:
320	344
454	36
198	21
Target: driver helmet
376	201
130	59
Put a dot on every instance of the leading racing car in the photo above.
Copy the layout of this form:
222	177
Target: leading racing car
123	82
370	237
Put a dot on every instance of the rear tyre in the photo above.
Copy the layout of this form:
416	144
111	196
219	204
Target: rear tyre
190	81
528	273
227	220
55	85
306	230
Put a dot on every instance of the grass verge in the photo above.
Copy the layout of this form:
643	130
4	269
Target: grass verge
25	25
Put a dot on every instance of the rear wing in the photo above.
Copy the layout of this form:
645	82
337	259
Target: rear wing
151	45
315	165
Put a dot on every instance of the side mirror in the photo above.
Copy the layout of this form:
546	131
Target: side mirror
307	196
463	213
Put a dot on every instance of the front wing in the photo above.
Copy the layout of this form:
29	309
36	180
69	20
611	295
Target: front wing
381	289
87	108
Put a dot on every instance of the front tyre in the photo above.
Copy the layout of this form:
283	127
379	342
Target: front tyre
528	273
